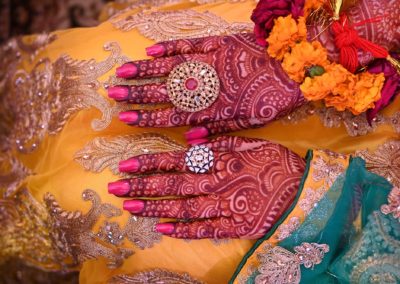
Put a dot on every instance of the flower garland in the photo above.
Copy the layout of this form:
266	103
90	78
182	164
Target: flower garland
307	63
280	25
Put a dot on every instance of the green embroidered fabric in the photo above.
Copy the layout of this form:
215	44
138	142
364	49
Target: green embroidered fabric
369	255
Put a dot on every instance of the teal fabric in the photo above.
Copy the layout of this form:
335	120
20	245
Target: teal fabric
331	222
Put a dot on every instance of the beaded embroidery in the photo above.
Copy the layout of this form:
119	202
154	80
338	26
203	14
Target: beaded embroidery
163	26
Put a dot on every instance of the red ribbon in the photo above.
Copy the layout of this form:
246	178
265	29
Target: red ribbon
349	42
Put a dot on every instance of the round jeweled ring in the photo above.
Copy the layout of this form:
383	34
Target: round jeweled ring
199	159
193	86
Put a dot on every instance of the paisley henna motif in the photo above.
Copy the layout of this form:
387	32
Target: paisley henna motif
249	187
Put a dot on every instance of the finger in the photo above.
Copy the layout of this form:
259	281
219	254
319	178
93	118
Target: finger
189	208
158	67
235	144
221	127
163	185
147	94
184	46
150	163
217	228
167	117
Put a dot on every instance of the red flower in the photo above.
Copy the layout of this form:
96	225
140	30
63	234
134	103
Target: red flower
268	10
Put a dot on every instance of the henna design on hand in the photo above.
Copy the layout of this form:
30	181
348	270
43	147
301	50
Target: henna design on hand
250	186
254	88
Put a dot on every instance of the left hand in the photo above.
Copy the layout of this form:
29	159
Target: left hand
250	185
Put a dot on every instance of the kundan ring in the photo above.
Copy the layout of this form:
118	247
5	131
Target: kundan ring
199	159
193	86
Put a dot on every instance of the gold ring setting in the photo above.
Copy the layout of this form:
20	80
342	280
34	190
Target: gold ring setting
193	86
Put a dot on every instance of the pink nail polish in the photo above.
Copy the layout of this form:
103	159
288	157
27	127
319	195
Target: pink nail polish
155	50
118	93
129	116
127	70
196	133
197	141
118	188
131	165
165	228
133	206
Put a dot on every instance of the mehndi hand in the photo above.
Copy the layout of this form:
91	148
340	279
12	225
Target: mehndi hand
248	187
253	87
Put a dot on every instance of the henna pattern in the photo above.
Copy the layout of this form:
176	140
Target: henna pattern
148	94
254	89
250	186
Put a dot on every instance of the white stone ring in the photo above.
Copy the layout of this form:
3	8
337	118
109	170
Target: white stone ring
199	159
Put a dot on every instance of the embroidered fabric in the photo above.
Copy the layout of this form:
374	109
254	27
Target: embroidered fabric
170	25
25	232
373	258
279	265
72	235
354	125
331	223
53	91
155	276
326	166
107	152
393	206
384	161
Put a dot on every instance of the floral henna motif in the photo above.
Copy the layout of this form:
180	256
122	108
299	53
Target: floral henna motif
249	187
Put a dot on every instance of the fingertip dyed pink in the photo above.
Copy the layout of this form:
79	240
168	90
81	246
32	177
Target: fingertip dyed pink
127	70
133	206
155	50
197	141
129	116
165	228
196	133
119	188
118	93
131	165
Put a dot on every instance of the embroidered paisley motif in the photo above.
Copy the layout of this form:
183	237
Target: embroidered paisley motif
385	161
163	26
72	232
53	91
279	265
105	152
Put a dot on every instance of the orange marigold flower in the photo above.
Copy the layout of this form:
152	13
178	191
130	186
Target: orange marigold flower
319	87
367	91
284	35
303	55
339	102
343	90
